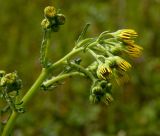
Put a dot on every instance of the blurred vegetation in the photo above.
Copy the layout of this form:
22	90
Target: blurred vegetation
66	110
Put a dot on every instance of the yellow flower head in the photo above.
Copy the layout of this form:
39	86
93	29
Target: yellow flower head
103	71
49	11
121	64
125	34
133	50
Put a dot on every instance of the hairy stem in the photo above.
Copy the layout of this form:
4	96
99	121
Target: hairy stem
61	77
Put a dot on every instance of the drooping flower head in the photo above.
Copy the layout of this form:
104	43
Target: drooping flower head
133	50
122	64
103	71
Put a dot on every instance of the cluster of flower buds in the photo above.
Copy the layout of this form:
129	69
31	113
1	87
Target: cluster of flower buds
123	42
53	19
108	49
10	84
11	81
101	91
108	52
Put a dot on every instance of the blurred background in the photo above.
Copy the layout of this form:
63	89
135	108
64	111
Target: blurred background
66	111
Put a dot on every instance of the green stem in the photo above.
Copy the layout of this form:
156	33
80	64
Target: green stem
44	47
83	70
61	77
32	91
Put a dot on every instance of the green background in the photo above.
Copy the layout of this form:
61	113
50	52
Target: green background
66	111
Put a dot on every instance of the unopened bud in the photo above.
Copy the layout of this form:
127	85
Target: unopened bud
60	19
45	23
97	90
94	99
2	73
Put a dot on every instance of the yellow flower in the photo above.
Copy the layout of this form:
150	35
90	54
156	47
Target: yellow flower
125	34
49	11
103	71
133	50
122	64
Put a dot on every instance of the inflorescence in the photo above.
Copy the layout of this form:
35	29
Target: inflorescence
108	50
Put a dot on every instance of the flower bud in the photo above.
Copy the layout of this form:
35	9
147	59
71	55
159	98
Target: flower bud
103	84
94	99
49	12
125	34
45	23
2	73
109	86
108	98
8	79
11	82
97	90
60	19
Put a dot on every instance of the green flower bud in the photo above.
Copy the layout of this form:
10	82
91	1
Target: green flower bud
94	99
60	19
97	90
108	98
109	86
49	12
103	84
2	73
